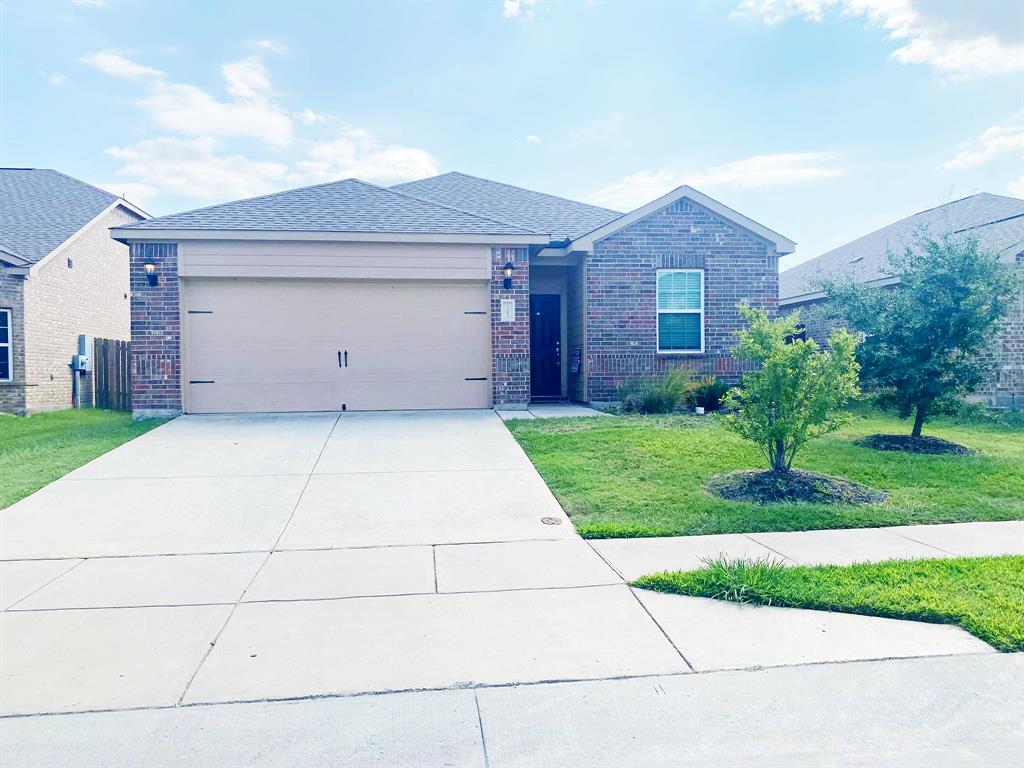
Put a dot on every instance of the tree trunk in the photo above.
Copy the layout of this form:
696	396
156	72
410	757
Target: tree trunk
778	452
919	417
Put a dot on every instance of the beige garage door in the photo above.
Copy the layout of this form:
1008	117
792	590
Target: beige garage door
317	345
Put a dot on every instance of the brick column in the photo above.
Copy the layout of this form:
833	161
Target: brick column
510	341
156	332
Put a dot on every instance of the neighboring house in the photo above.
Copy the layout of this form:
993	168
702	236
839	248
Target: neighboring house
998	224
60	276
449	292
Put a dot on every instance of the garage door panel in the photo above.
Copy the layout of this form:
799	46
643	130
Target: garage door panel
273	345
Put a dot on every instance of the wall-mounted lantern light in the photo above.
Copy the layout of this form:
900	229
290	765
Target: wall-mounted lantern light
510	268
150	269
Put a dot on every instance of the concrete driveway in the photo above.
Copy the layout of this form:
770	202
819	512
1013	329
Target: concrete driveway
250	558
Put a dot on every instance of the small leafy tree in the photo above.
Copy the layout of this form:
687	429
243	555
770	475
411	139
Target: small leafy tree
798	390
924	337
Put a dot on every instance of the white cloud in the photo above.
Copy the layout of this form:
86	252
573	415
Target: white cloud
310	117
922	40
117	64
55	78
197	168
192	111
357	153
518	9
272	45
533	139
246	79
636	190
992	143
752	172
769	170
197	162
772	12
1016	187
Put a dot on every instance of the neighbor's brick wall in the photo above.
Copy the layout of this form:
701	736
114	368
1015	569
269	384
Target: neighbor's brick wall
510	342
621	294
12	393
156	332
812	315
1004	387
61	302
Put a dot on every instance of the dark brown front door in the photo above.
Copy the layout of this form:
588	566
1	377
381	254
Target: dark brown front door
545	345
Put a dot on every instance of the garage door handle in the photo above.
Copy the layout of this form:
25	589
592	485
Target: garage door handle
340	359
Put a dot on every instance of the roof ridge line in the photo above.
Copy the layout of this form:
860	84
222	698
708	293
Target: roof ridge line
393	191
989	223
248	199
523	189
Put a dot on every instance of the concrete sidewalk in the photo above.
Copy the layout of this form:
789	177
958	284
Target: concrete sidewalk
632	558
950	711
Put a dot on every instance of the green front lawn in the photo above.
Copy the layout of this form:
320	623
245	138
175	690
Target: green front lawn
36	450
644	475
984	595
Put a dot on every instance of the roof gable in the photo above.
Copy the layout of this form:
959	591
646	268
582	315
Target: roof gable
586	242
996	220
41	208
349	205
535	211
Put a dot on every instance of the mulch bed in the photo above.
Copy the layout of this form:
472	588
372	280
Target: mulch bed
930	445
768	487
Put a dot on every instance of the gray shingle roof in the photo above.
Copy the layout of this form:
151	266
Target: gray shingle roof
41	208
535	211
997	221
341	206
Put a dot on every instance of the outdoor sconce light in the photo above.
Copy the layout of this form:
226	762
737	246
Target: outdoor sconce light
509	269
150	269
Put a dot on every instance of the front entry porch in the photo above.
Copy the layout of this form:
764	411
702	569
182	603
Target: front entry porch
557	333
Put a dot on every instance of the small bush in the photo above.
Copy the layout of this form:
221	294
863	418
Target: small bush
657	395
708	394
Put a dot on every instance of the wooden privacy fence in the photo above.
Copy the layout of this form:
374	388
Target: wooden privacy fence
111	375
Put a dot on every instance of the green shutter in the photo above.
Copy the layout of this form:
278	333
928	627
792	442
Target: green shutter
679	332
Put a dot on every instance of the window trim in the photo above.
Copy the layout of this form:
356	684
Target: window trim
7	347
659	312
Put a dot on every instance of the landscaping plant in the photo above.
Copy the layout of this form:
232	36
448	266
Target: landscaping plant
925	339
798	390
657	395
708	394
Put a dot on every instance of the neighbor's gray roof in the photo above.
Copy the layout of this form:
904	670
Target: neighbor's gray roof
41	208
538	212
997	221
350	205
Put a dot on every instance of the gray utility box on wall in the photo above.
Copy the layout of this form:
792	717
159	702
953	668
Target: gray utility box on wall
83	360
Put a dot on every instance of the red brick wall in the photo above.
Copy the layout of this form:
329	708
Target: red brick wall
621	294
156	331
510	342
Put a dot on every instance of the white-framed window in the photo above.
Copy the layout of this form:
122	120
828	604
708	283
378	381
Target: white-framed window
680	311
6	358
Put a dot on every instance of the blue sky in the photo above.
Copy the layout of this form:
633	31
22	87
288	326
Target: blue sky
823	119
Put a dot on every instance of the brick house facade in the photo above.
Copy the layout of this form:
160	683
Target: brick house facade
738	268
81	287
602	284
